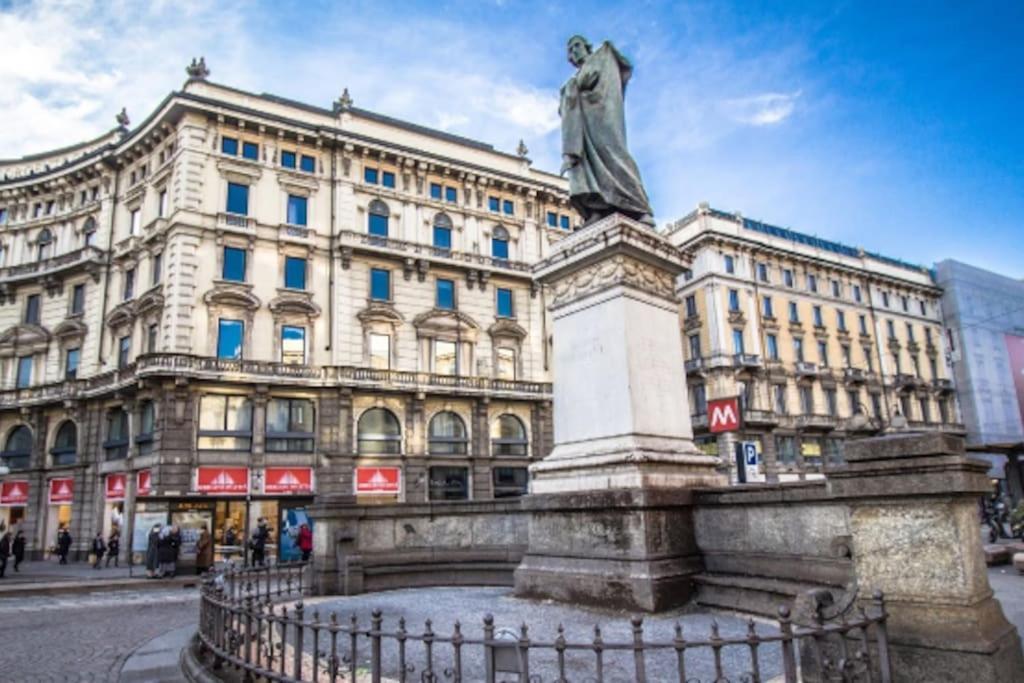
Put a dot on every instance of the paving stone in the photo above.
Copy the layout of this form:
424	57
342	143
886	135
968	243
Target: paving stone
996	554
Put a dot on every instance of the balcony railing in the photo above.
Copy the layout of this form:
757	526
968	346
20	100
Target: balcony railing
428	251
235	221
942	384
72	259
805	369
694	366
756	417
904	380
816	422
746	360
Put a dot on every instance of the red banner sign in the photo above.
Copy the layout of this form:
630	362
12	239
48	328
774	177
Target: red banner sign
62	491
222	479
1015	348
378	480
116	485
288	480
723	415
143	485
14	493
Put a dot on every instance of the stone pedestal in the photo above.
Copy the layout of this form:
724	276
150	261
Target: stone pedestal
610	514
914	530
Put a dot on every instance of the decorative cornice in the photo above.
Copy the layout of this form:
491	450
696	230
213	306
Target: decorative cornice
380	312
505	327
232	294
295	303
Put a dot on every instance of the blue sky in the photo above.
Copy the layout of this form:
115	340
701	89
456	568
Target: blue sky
893	126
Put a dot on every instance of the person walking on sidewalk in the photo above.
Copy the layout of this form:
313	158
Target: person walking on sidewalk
113	547
98	549
5	551
153	552
18	548
305	542
63	544
204	551
258	543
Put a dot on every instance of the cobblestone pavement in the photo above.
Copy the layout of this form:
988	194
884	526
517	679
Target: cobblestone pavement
85	637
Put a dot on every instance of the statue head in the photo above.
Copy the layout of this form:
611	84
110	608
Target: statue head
578	49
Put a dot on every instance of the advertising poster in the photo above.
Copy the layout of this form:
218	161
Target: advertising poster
291	520
1015	348
144	521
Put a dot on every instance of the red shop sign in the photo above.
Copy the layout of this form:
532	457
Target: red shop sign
723	415
288	480
143	487
378	480
116	484
222	479
61	491
14	493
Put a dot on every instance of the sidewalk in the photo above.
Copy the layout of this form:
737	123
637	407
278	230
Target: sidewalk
45	577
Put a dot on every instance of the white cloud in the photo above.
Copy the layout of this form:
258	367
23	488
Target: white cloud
765	109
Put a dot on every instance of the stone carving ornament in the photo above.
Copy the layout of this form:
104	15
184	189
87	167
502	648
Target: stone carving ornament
619	270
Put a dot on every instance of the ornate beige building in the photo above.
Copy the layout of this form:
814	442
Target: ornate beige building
819	341
244	302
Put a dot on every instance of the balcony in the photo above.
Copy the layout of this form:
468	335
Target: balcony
759	418
236	222
746	360
805	369
942	384
293	232
854	375
816	423
694	366
861	424
699	421
905	381
86	257
404	249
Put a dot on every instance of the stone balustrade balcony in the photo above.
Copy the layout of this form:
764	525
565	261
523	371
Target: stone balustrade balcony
405	249
816	422
82	258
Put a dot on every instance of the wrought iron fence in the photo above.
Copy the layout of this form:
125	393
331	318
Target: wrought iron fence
249	627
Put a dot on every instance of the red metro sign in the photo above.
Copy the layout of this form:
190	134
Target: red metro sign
14	493
288	480
723	415
116	484
378	480
222	480
61	491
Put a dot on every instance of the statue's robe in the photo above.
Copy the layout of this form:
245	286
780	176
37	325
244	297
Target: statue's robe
605	178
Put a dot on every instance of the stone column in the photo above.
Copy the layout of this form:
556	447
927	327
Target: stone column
914	528
610	515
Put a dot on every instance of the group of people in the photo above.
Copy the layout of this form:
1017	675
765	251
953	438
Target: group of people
109	548
11	546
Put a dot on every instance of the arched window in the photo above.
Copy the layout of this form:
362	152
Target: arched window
442	232
116	444
18	449
45	244
447	434
89	231
508	436
379	432
65	445
499	243
379	213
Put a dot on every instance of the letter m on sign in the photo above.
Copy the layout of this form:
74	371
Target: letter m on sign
723	415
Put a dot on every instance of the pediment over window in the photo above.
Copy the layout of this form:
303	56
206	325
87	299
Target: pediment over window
153	300
506	329
294	303
24	338
379	312
122	315
442	323
232	295
70	330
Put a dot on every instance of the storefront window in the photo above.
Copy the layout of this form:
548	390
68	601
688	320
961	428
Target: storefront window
116	445
225	423
785	449
290	425
18	449
65	445
379	432
147	418
449	483
508	436
510	481
447	434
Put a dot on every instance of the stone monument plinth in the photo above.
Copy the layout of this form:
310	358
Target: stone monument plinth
610	511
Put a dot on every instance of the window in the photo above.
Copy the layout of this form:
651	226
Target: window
926	410
830	401
162	204
251	151
234	264
856	293
494	204
910	332
37	211
564	222
841	320
505	360
510	482
818	320
737	341
798	349
294	272
225	423
65	445
152	337
380	284
24	372
451	195
885	299
853	398
785	449
806	400
779	397
442	232
32	309
504	300
229	339
147	423
787	277
891	328
730	264
116	445
288	159
552	219
508	436
293	345
296	210
387	179
124	351
928	335
445	294
18	449
691	306
370	175
772	342
794	312
837	290
499	243
812	283
89	230
447	434
762	272
129	284
380	351
924	309
155	266
767	307
897	362
917	365
136	222
71	357
307	164
378	218
905	405
847	356
694	346
862	321
435	191
823	353
508	207
449	483
229	146
238	199
49	207
378	432
943	410
734	300
45	244
905	303
446	357
290	425
933	368
876	405
700	400
3	211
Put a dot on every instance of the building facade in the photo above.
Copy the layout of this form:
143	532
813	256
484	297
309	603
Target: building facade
819	342
245	302
984	315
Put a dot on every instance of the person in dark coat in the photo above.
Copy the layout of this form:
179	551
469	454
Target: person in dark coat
204	551
99	548
5	551
165	553
258	544
153	552
175	536
305	542
113	547
63	544
18	548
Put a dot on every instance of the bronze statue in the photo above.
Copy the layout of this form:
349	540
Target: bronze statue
603	178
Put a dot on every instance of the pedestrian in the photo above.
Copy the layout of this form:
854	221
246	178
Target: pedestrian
153	552
229	536
305	541
98	549
5	551
165	553
175	548
258	543
204	551
113	547
18	547
64	541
